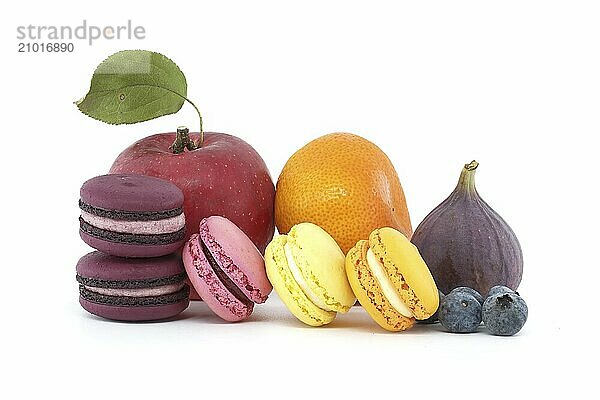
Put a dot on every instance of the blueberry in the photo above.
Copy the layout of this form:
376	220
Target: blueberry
504	314
470	291
434	318
460	312
499	289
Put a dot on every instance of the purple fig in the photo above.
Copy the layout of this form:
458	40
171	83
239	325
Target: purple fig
466	243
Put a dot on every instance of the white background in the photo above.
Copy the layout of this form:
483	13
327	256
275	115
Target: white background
512	84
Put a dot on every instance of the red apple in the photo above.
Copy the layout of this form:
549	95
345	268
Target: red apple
225	176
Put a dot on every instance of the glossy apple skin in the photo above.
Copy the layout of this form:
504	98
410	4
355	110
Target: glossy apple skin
225	177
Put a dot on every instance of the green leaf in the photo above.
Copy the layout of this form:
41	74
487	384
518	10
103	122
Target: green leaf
134	86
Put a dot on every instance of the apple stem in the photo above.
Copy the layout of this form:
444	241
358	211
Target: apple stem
201	140
183	141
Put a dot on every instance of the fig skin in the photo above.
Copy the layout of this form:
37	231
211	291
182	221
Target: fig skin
464	242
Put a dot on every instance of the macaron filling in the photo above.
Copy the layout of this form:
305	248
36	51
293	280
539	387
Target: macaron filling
145	227
129	215
132	227
130	238
131	301
223	278
134	292
138	292
299	278
130	283
387	288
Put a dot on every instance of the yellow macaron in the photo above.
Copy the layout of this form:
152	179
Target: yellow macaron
391	280
306	269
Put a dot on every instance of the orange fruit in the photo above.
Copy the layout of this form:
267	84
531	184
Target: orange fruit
346	185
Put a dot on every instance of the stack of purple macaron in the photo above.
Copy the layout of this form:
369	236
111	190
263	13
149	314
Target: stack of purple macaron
137	224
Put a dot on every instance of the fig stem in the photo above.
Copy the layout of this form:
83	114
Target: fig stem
183	141
472	165
467	177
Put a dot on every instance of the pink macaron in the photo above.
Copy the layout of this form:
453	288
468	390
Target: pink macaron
226	269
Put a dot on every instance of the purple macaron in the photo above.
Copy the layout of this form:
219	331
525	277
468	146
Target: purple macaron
132	289
132	215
